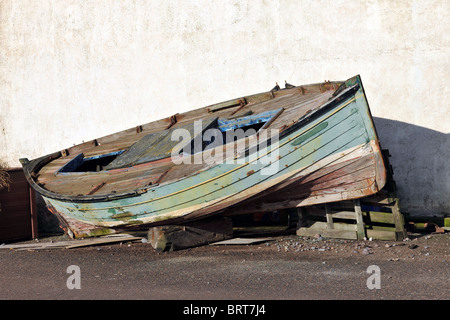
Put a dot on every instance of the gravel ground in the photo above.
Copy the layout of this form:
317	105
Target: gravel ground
285	268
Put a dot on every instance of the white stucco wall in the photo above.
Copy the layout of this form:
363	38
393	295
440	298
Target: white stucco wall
76	70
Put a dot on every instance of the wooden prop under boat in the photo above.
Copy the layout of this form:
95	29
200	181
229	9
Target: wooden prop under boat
320	146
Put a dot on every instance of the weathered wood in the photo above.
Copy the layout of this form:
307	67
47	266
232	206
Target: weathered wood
329	216
226	104
260	230
338	234
360	230
381	217
241	241
100	241
302	216
33	213
382	234
349	215
70	244
399	220
328	153
176	237
336	226
37	245
381	198
268	123
386	228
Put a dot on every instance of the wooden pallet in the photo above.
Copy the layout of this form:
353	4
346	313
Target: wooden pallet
375	217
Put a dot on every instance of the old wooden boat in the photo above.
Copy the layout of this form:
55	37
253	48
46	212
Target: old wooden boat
298	146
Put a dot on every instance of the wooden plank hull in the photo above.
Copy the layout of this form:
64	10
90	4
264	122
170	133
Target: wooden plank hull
329	155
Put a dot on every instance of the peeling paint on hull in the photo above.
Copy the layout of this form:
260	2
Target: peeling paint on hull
342	133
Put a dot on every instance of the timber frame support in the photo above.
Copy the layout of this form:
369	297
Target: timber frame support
376	217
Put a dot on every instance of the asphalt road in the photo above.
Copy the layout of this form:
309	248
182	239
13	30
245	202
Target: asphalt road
286	268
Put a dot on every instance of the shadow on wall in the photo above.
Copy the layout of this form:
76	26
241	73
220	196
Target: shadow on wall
420	158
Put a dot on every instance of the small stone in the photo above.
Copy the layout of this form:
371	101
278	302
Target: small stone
412	246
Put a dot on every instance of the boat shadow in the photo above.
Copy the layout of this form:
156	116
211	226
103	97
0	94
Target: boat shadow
420	161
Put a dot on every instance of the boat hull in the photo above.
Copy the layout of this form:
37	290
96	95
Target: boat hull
333	156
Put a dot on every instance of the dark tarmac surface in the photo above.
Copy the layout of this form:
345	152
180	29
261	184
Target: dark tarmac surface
286	268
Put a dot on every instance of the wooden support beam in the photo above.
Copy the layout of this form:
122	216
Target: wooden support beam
382	234
349	215
399	221
360	230
301	222
336	226
338	234
33	213
371	224
194	234
381	217
329	217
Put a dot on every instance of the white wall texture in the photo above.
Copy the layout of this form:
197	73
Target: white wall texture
74	70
